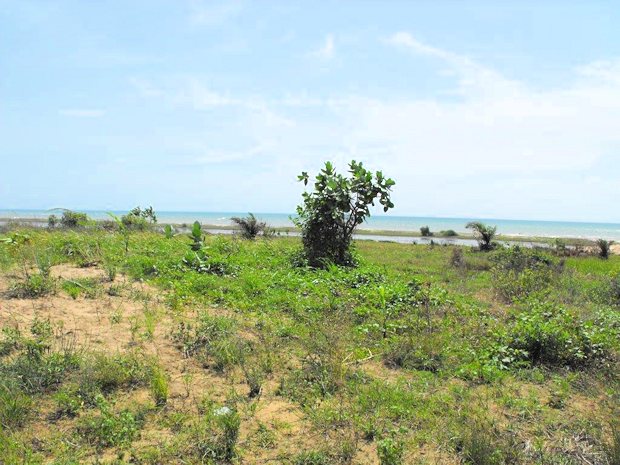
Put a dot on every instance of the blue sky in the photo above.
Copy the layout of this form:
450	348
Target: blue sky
476	109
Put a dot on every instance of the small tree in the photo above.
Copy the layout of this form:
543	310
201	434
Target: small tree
52	221
426	231
338	204
604	247
71	219
137	218
483	234
250	226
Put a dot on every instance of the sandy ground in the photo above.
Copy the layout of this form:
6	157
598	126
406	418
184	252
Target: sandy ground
105	324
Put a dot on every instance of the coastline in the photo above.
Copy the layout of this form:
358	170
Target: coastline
361	233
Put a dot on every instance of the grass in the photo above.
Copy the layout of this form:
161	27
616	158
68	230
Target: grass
150	355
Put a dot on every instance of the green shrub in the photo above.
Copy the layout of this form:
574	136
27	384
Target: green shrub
71	219
197	237
107	428
483	234
545	334
390	451
604	248
425	231
34	284
518	272
68	402
330	214
250	226
139	219
448	233
202	263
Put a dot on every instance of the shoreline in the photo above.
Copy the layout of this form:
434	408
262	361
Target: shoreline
379	233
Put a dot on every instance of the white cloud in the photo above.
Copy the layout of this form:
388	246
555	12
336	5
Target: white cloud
500	149
327	50
214	13
81	112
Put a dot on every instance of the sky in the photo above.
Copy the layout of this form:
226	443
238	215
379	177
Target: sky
475	108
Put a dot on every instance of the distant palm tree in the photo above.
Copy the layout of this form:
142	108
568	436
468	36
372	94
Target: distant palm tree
250	226
604	247
484	234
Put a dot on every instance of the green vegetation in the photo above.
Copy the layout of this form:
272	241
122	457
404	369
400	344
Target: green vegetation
147	348
604	248
139	219
425	231
483	234
338	205
71	219
250	226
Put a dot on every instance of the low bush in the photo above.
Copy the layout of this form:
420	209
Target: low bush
425	231
448	233
546	334
518	272
71	219
139	219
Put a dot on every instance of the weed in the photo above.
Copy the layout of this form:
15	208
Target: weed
390	451
215	437
159	386
15	405
108	428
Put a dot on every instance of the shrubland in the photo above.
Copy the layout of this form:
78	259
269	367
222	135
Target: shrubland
214	349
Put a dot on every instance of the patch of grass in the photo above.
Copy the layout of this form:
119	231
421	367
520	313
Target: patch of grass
158	385
15	405
87	287
108	428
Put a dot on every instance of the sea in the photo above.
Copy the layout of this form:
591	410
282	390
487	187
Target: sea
381	222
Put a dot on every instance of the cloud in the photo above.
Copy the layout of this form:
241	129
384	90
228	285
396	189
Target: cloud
214	13
327	50
500	149
473	77
82	112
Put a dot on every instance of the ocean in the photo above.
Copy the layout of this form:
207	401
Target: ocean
381	222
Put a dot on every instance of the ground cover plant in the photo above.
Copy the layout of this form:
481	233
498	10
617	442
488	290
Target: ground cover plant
146	347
